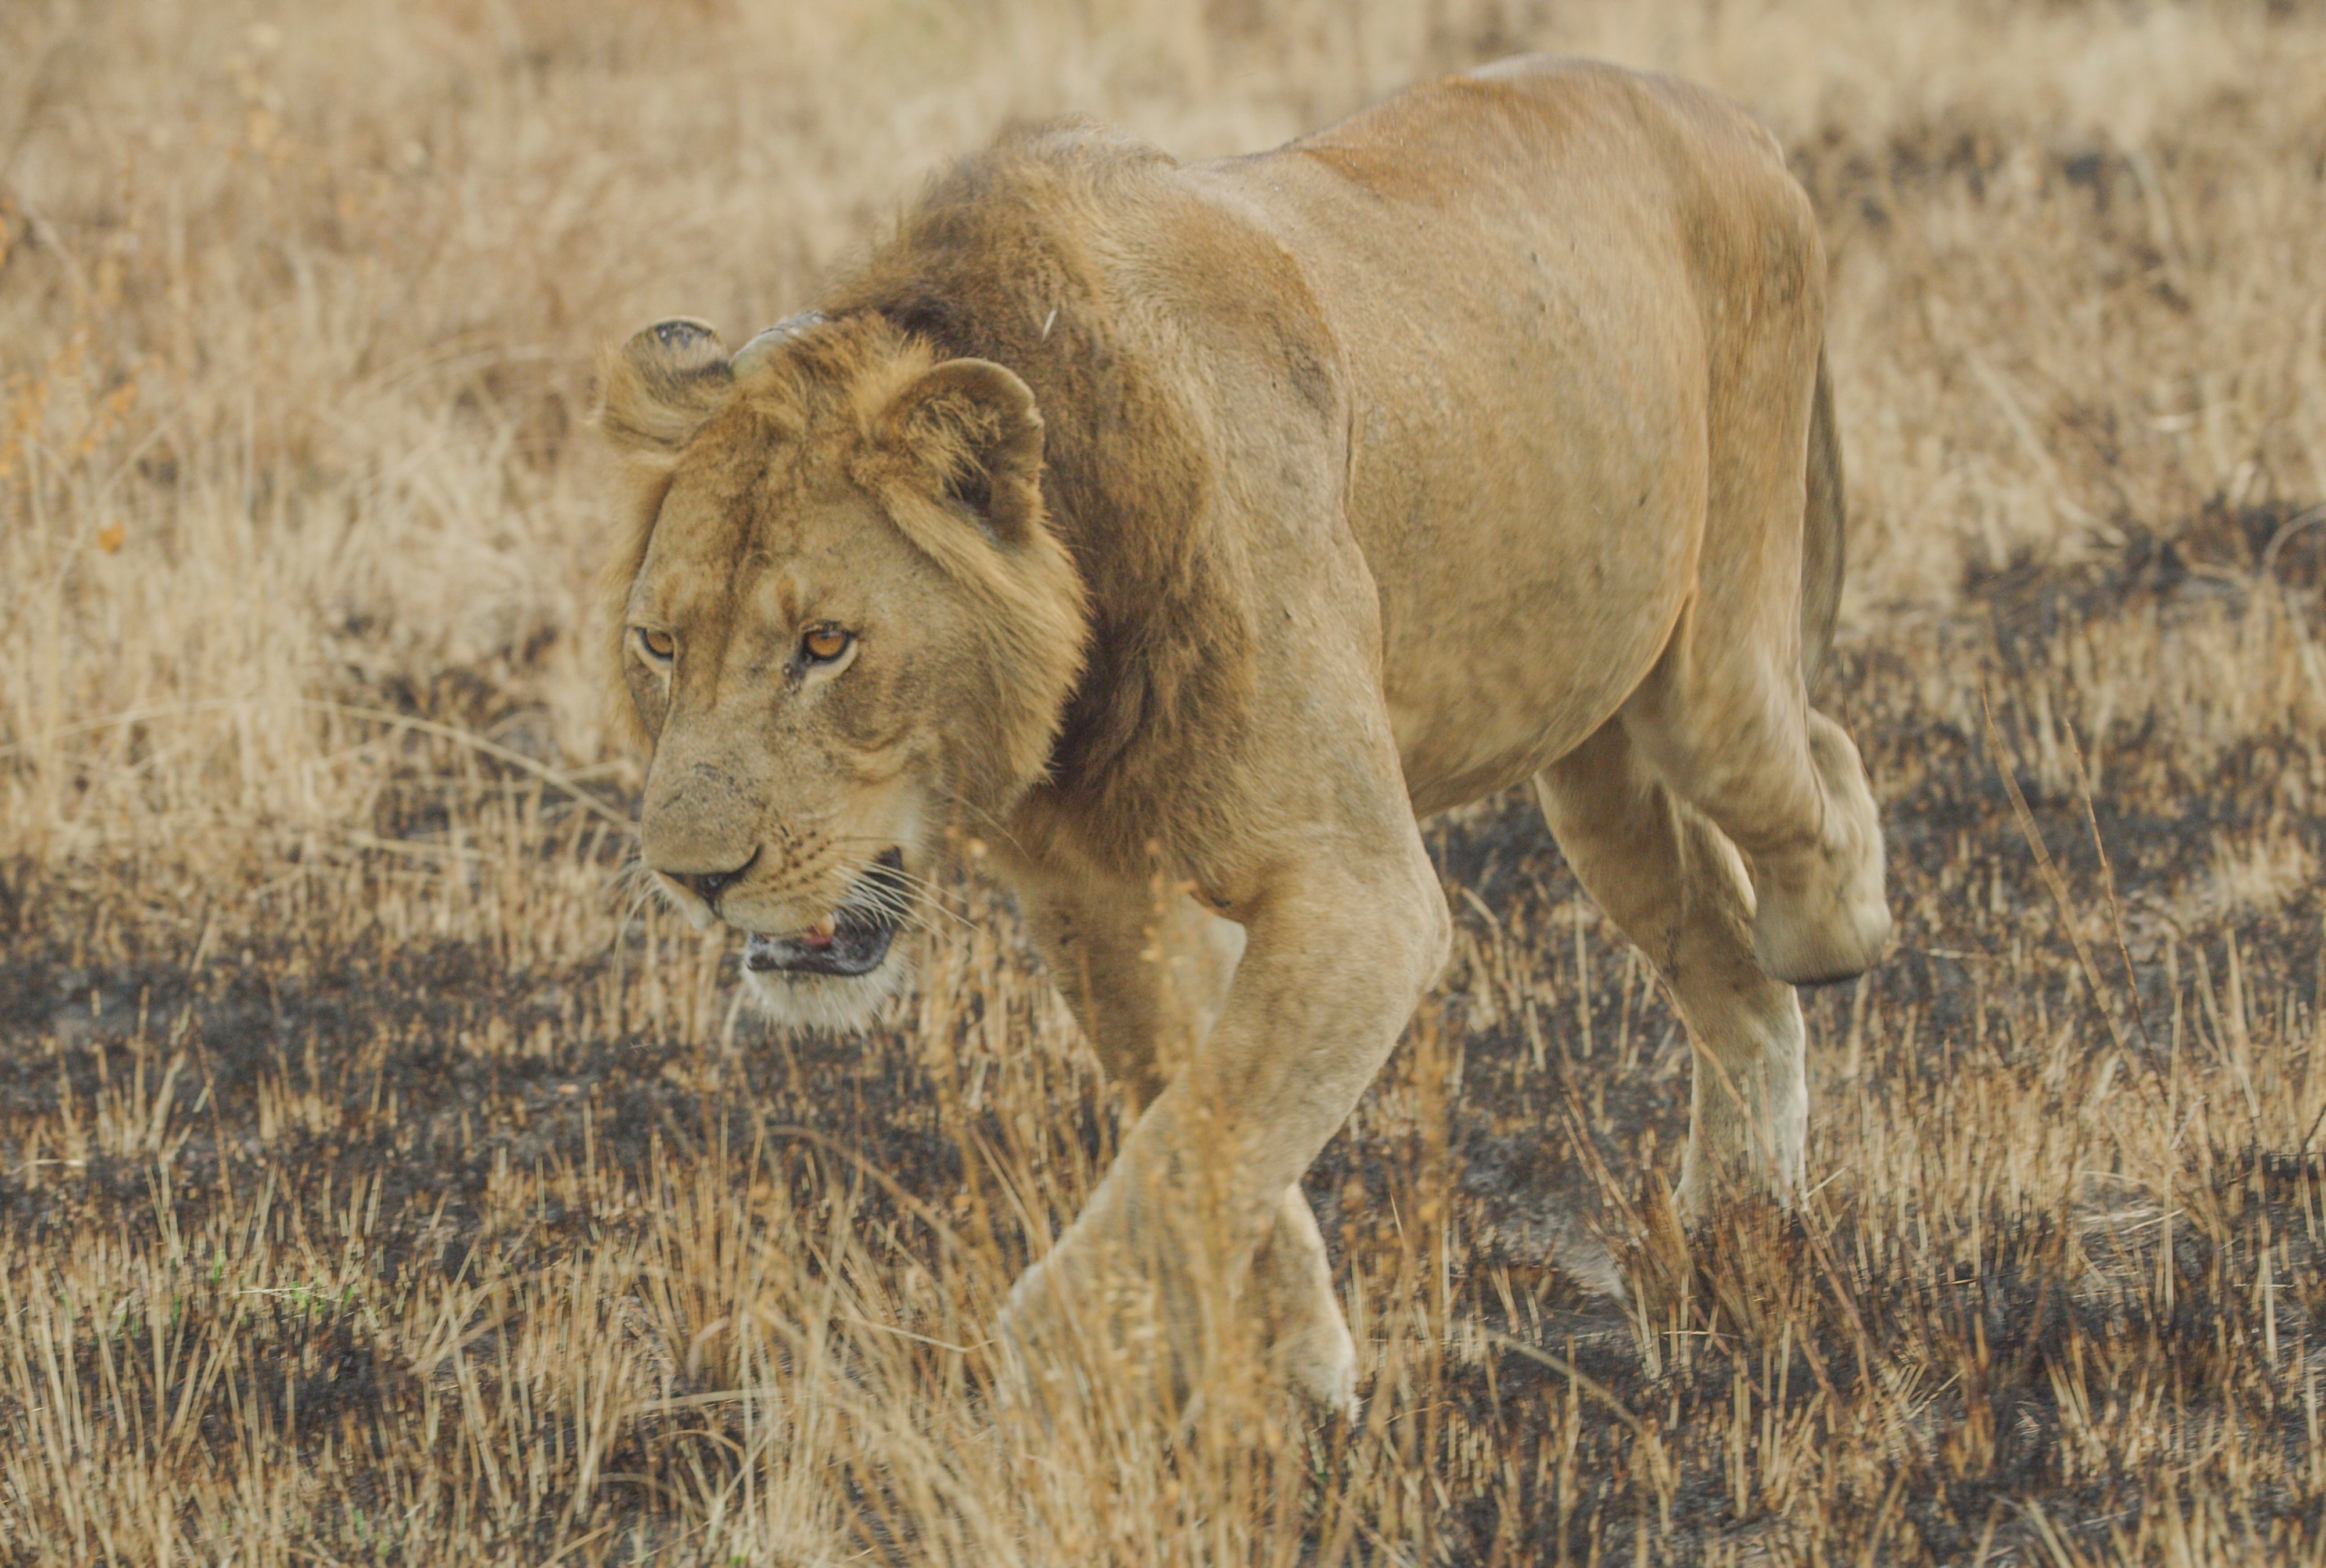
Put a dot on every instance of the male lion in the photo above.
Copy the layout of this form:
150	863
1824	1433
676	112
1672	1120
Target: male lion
1230	518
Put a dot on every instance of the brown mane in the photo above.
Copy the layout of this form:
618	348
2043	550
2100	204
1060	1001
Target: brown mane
997	262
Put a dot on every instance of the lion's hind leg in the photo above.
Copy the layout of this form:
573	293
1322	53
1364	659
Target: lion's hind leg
1821	913
1724	722
1665	874
1308	1338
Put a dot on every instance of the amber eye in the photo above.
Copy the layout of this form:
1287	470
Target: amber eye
659	646
824	643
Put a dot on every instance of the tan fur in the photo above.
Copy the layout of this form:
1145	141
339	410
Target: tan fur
1204	526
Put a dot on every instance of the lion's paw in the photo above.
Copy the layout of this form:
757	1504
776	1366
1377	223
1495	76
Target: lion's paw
1320	1363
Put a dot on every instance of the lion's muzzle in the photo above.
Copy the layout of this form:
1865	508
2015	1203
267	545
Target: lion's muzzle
852	940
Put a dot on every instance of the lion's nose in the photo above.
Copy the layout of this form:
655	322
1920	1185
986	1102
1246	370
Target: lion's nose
708	885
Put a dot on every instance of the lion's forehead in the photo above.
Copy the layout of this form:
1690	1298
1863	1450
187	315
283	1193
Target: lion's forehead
714	534
745	609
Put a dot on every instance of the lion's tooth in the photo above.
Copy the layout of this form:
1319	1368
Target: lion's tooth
820	931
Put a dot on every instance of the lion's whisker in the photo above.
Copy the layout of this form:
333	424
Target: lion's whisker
887	890
622	930
998	825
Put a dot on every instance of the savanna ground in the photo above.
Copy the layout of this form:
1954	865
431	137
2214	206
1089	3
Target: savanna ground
380	1184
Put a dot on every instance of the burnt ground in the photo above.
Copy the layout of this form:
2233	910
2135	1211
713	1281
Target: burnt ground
310	1069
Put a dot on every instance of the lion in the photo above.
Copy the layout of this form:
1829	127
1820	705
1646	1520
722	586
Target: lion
1221	522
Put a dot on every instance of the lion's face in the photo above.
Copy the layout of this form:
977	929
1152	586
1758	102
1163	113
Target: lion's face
840	628
790	656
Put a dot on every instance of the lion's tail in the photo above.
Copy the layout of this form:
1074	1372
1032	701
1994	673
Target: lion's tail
1822	534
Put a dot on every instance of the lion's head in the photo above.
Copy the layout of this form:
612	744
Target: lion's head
840	622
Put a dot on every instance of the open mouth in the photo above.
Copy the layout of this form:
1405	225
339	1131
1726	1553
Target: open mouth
851	940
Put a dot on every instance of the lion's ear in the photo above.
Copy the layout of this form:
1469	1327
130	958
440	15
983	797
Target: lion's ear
663	385
973	423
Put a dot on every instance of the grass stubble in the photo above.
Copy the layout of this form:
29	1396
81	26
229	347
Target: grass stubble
380	1182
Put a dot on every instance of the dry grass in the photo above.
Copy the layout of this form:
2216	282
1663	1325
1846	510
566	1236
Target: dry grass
375	1185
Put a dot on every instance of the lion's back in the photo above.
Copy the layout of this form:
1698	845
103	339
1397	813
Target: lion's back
1534	277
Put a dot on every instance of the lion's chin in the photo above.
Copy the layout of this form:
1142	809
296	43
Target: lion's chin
840	1002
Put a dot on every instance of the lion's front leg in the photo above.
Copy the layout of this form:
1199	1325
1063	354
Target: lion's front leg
1147	971
1202	1210
1105	1300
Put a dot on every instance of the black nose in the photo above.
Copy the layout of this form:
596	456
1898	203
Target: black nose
708	885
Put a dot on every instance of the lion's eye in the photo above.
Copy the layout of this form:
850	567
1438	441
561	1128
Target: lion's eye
824	643
659	646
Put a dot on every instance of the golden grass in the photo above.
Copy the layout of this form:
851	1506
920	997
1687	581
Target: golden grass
378	1185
